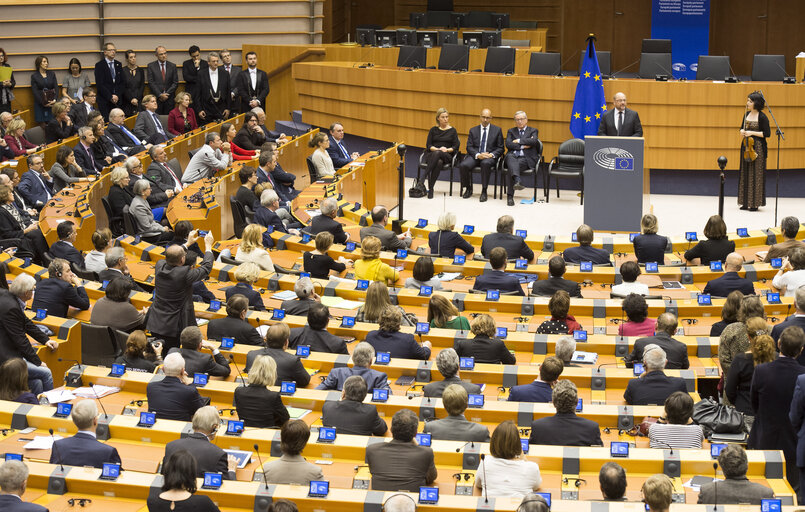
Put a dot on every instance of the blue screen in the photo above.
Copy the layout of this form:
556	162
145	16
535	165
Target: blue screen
200	379
422	327
423	439
502	332
652	267
574	237
425	291
305	238
213	480
524	445
363	284
104	285
715	449
638	369
348	321
773	298
278	314
227	342
350	246
14	456
383	358
41	314
269	229
118	369
428	494
234	427
468	229
110	470
288	387
304	274
492	295
703	299
632	236
402	254
770	505
743	232
380	395
580	405
459	259
522	233
521	264
619	449
547	497
326	434
63	409
715	265
580	335
466	363
476	400
319	488
776	262
422	223
586	266
215	305
303	350
148	418
690	236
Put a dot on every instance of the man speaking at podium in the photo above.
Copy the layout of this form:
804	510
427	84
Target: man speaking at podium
620	121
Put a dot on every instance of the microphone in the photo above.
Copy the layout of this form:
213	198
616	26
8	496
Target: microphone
483	463
715	487
627	67
240	375
257	452
562	65
58	455
660	441
606	364
576	481
105	416
76	361
295	126
472	445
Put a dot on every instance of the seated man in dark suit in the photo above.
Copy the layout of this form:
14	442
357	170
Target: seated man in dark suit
337	151
197	362
305	297
565	428
398	344
350	415
735	488
401	464
124	138
675	351
172	398
209	458
60	290
161	173
539	390
326	221
447	363
585	252
497	278
797	319
515	246
270	215
362	357
235	324
116	268
289	366
315	334
63	248
612	481
13	482
37	186
250	136
547	287
85	154
653	387
388	239
79	112
83	449
730	281
245	194
148	126
455	427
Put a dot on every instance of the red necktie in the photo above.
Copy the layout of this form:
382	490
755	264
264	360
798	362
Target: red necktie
162	68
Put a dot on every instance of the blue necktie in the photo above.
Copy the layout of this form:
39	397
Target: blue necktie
344	150
159	124
130	135
114	145
482	149
112	69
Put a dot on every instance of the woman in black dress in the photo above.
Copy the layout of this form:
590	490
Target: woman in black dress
133	85
179	488
441	146
738	382
318	263
45	89
649	246
257	405
716	247
752	177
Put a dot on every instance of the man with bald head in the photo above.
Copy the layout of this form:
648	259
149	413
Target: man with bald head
676	352
730	281
484	147
620	121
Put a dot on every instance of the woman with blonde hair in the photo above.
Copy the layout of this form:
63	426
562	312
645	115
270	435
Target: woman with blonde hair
738	381
442	144
649	246
246	275
485	347
443	314
251	248
257	405
377	298
182	119
370	266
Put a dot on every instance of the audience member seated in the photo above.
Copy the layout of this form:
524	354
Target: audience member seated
179	487
445	240
716	247
117	268
338	153
16	140
291	467
245	194
95	260
638	323
115	310
234	324
148	126
215	155
515	246
11	178
565	428
398	344
140	355
174	397
798	318
66	171
612	481
442	313
104	150
735	488
318	263
182	118
564	349
199	443
315	334
657	491
561	322
350	415
13	482
79	112
129	143
484	347
14	382
377	298
585	251
497	278
555	281
289	366
455	427
320	157
649	247
447	362
653	387
270	136
257	405
731	281
84	153
161	173
789	227
228	133
144	224
271	172
251	248
401	464
533	503
423	275
63	248
540	390
83	449
629	272
159	198
60	290
506	472
197	362
305	296
738	382
388	240
370	266
119	196
250	136
792	274
61	126
729	313
326	221
18	224
246	274
675	351
272	216
735	339
36	187
675	429
362	357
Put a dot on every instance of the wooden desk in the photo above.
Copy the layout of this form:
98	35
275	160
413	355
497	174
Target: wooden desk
371	180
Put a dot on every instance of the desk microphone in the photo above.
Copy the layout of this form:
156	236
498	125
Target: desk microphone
627	67
77	362
660	441
483	463
606	364
257	452
715	487
58	455
98	398
232	359
472	445
562	65
295	126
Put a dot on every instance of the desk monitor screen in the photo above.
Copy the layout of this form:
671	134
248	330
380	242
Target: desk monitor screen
422	327
475	401
776	262
493	295
104	284
501	332
580	405
269	229
522	233
652	267
619	449
383	358
26	262
227	343
234	428
632	236
520	264
200	379
428	495
348	321
704	299
422	223
423	439
459	259
118	370
147	419
580	335
326	434
427	38
691	236
303	350
380	395
468	229
215	305
13	456
466	363
715	449
386	38
304	274
212	481
425	291
306	238
638	369
41	314
546	496
319	488
278	314
110	471
63	409
366	37
524	444
490	38
743	232
402	254
350	247
773	297
288	387
586	266
574	237
770	505
363	284
471	39
715	266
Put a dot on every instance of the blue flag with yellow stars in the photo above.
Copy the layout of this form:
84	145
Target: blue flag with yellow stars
590	103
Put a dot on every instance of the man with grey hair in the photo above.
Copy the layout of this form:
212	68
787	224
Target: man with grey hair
84	449
522	145
565	428
504	237
209	458
37	187
214	91
350	415
174	397
261	122
305	296
447	362
326	221
13	481
145	224
362	357
162	173
789	228
116	268
272	216
653	387
735	488
128	141
797	319
455	427
5	118
215	155
730	280
675	351
565	346
159	198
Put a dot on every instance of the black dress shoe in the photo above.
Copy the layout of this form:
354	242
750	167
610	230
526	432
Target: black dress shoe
744	207
510	201
467	193
430	194
518	185
752	209
483	197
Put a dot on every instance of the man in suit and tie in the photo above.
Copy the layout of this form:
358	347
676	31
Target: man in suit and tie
289	366
84	154
79	112
159	197
522	143
555	281
389	240
209	458
337	150
620	121
350	415
653	387
129	141
676	351
195	360
234	71
191	69
730	281
148	126
484	147
315	334
36	187
109	80
735	488
539	390
565	428
447	362
13	482
234	324
161	173
455	427
63	248
163	79
401	464
214	91
174	397
505	237
116	268
362	357
497	278
326	221
83	449
252	85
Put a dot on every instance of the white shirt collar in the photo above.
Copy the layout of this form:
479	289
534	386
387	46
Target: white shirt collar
88	432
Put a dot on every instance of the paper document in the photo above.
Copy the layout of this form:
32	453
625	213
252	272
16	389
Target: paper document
296	413
88	392
42	442
284	295
338	302
55	396
448	276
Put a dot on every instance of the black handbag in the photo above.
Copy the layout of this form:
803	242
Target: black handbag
718	418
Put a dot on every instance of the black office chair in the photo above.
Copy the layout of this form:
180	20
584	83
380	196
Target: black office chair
120	337
311	169
98	346
238	216
713	67
192	152
412	57
115	223
656	46
47	259
504	172
545	64
568	163
129	223
454	57
84	273
35	135
229	260
450	166
604	62
496	167
653	64
768	68
499	60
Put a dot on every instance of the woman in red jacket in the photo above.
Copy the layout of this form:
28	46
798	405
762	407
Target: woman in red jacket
228	133
182	119
16	140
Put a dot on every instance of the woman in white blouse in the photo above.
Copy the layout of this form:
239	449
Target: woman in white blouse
321	159
792	274
251	248
507	472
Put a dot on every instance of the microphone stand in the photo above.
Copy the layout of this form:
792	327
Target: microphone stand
722	163
401	149
780	135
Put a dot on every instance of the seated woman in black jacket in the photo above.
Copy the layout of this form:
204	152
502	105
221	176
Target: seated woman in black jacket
649	246
119	196
716	247
258	406
141	355
398	344
318	262
445	241
484	347
738	381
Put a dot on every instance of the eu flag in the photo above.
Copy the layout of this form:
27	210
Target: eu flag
590	104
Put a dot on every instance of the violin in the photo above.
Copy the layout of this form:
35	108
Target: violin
749	153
